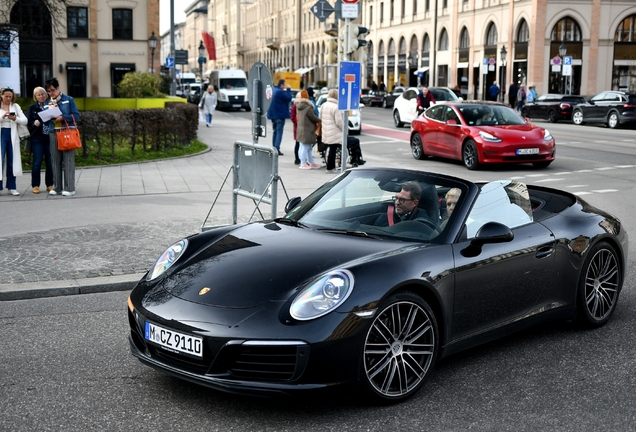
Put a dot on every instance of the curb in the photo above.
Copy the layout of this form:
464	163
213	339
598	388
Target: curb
31	290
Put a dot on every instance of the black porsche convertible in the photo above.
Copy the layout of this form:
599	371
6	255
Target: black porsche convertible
347	290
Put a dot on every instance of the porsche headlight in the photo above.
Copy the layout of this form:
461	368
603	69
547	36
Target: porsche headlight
169	257
546	135
488	137
322	296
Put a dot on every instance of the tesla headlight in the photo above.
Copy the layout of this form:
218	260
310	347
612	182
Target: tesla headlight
167	259
353	113
488	137
546	135
322	295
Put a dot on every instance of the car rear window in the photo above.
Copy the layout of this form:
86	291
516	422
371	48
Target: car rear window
632	99
575	100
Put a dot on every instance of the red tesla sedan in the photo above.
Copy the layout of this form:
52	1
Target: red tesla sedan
480	132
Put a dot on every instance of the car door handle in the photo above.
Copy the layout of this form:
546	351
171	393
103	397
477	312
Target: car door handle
544	252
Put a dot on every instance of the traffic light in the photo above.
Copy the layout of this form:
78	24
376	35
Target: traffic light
331	56
361	54
355	32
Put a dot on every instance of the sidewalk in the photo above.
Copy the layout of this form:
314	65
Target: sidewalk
123	217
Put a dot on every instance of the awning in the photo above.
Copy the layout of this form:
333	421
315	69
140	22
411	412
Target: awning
421	70
303	71
462	65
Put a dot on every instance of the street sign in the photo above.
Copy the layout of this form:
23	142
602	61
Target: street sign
169	62
349	10
181	57
349	86
337	7
322	10
567	65
350	1
260	89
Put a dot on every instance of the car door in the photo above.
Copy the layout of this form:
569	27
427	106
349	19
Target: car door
434	116
499	283
449	134
594	112
610	101
408	111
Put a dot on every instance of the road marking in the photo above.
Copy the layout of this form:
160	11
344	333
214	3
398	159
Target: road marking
624	166
537	175
563	173
582	193
604	190
549	180
583	171
603	169
573	186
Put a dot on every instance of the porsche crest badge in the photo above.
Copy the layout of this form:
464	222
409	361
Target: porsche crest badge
204	291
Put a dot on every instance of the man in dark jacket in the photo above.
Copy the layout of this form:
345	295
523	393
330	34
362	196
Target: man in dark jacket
512	95
424	100
404	207
279	111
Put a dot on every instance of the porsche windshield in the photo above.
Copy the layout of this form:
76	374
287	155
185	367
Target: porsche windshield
381	203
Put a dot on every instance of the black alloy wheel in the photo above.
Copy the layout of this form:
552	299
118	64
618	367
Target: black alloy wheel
552	116
400	348
470	156
599	285
417	147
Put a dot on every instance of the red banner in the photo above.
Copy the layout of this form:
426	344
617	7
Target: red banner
208	41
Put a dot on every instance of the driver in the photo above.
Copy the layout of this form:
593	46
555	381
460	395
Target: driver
404	207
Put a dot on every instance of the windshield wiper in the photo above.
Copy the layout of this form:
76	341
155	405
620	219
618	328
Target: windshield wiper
291	222
349	232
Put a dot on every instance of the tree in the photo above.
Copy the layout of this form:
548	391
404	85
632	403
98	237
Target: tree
140	85
32	18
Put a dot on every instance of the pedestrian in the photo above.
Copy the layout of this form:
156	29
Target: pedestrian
208	103
424	100
534	93
374	86
294	119
63	161
512	95
279	111
40	143
306	132
382	86
494	91
331	128
10	159
521	97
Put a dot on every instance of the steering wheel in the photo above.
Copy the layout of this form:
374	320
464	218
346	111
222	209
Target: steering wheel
409	225
429	223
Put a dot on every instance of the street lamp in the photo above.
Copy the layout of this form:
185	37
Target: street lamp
152	44
201	58
563	50
503	54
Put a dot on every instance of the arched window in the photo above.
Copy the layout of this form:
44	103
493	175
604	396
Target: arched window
626	31
523	32
426	44
370	52
464	39
413	47
402	46
566	30
491	36
391	47
443	40
381	50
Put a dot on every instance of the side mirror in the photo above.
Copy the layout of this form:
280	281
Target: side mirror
293	202
489	233
591	102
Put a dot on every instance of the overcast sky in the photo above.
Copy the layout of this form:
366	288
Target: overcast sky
164	13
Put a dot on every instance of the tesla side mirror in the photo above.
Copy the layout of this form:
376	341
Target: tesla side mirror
293	202
490	232
451	122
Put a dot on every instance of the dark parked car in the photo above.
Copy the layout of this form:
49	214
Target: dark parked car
614	108
389	98
552	107
372	97
340	291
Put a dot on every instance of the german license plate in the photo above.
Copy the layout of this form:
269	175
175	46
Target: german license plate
174	341
236	105
528	151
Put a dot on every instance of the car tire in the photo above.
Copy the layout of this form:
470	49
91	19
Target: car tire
612	120
577	117
552	116
384	104
396	119
417	146
544	164
470	155
599	286
402	338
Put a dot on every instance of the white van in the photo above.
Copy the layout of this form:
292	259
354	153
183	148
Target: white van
232	89
183	82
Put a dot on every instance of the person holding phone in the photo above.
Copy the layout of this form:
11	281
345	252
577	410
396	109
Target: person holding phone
10	116
63	160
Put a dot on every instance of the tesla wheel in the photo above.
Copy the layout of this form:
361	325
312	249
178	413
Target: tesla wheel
552	116
417	147
577	117
599	285
470	156
541	164
400	348
396	119
612	120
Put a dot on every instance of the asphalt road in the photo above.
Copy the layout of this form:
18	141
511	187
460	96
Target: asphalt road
65	363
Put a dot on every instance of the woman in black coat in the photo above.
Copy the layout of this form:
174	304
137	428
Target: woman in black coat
40	142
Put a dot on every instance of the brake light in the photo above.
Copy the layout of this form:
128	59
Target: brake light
565	105
629	106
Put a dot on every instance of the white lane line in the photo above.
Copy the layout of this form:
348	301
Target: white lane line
576	186
549	180
517	178
582	171
537	175
603	169
625	166
582	193
563	173
605	190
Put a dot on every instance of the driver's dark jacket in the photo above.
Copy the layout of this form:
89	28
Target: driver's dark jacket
417	213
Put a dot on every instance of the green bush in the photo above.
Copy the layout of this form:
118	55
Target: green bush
140	85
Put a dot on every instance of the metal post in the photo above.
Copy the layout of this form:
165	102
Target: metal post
173	71
345	114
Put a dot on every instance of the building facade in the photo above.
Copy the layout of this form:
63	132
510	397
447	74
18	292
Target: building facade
443	42
87	44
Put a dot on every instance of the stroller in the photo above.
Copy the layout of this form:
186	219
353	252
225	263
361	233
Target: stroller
354	150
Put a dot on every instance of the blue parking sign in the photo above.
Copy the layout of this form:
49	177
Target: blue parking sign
349	86
567	60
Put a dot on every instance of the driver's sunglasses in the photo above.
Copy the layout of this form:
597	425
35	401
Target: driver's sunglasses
400	199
